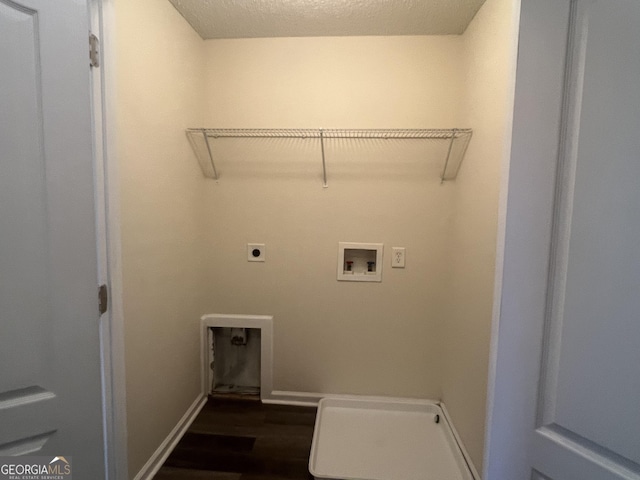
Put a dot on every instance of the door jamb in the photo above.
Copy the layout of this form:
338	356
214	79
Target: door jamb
102	24
525	219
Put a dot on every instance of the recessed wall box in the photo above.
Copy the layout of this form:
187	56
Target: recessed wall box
360	262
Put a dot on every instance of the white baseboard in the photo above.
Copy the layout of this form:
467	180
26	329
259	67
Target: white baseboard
311	399
304	399
465	454
166	447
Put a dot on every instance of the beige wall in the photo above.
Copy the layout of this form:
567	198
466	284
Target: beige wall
334	82
489	57
329	336
159	82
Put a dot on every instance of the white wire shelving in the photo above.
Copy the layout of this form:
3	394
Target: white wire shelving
203	139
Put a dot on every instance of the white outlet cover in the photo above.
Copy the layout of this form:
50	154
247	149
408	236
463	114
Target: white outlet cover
255	252
397	257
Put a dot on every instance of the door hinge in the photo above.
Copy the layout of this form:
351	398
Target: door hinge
103	299
94	50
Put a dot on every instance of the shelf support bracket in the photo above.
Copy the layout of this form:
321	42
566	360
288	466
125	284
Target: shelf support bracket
324	166
454	132
206	142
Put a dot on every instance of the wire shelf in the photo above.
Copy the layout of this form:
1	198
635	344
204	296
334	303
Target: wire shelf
458	142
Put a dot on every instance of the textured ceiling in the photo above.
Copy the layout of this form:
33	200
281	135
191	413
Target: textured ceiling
320	18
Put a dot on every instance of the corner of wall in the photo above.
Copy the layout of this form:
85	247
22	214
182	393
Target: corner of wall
489	53
159	62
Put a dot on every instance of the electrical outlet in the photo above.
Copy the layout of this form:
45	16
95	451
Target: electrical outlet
255	252
397	257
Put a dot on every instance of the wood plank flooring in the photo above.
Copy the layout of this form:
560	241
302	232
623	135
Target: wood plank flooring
244	440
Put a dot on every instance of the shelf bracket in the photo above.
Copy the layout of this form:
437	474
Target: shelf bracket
446	162
206	142
324	166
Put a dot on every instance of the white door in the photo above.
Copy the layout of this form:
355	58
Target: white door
566	401
50	375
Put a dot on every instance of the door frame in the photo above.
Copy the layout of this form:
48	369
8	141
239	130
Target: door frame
526	206
524	241
102	24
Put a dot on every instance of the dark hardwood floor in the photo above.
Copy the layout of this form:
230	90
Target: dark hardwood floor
244	440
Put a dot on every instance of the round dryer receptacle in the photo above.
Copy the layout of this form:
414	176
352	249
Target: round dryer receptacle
255	252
